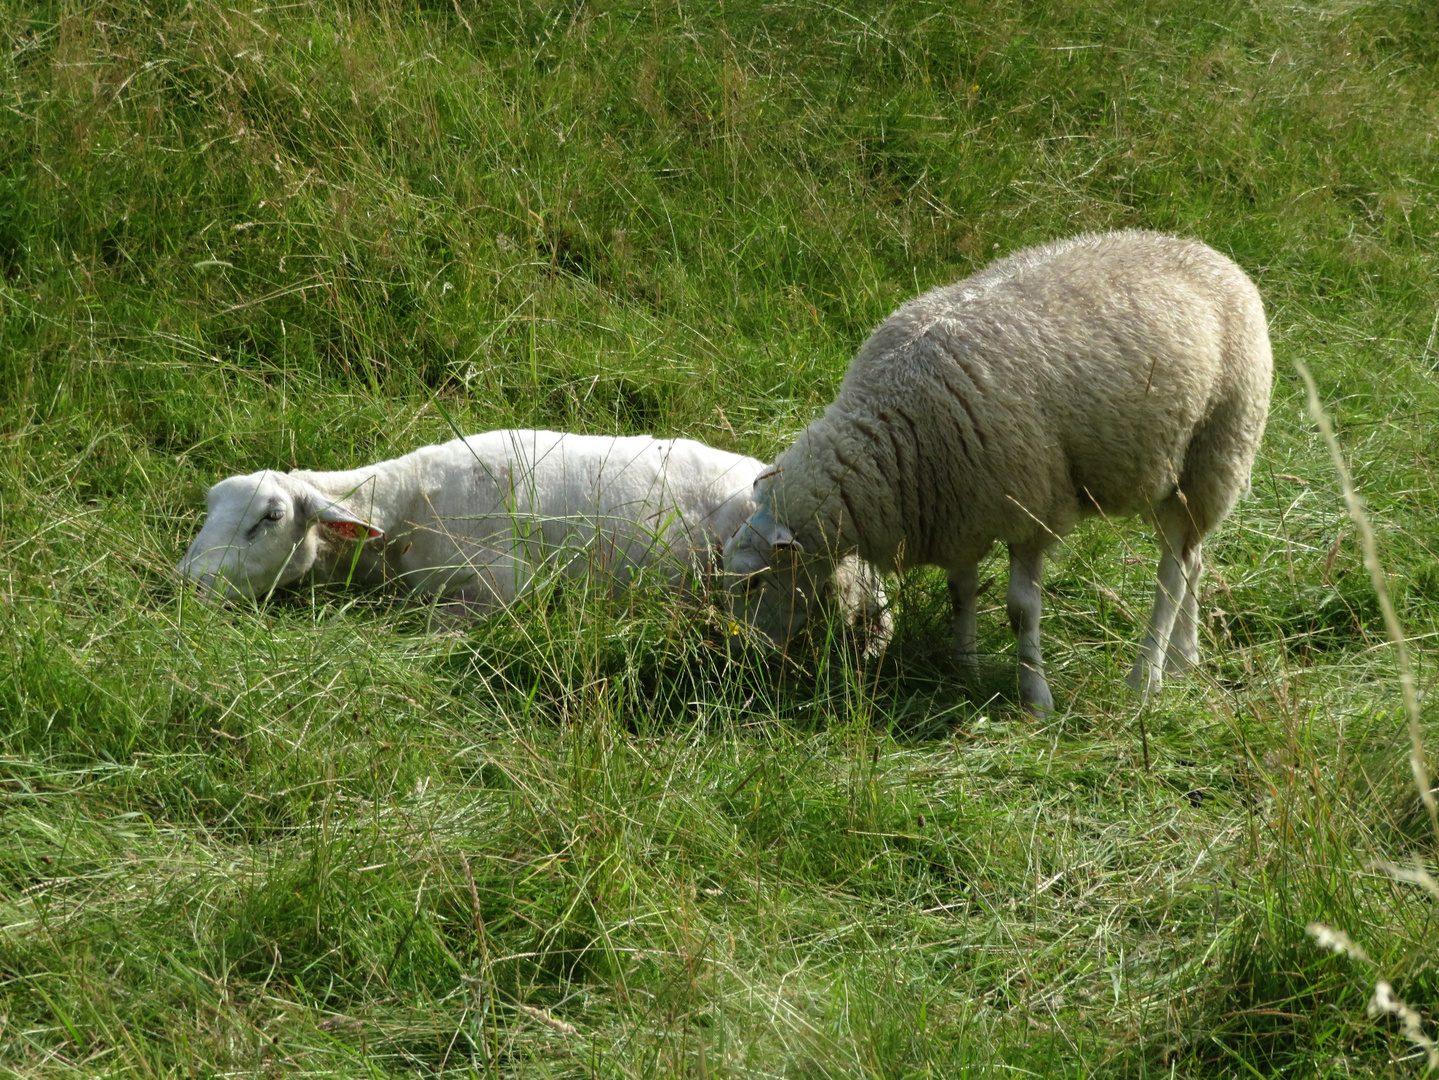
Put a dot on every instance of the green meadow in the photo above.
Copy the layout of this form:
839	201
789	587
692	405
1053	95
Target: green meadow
322	836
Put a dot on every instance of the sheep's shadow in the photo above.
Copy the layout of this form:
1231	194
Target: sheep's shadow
926	693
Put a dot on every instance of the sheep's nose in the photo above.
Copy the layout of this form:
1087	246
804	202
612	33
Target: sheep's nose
204	583
205	592
195	571
193	564
199	577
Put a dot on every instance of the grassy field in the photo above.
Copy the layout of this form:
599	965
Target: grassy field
313	837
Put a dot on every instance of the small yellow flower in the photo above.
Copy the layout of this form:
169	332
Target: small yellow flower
974	89
734	629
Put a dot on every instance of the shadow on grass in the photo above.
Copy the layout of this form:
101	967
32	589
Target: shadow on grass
659	668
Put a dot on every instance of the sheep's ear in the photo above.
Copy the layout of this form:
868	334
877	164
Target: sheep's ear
337	519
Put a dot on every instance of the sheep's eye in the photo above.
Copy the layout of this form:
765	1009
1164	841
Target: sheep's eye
275	514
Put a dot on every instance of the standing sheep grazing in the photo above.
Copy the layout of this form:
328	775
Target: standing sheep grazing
476	520
1116	373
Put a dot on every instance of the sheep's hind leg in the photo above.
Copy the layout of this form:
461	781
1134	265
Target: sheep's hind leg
1147	675
963	596
1026	571
1183	651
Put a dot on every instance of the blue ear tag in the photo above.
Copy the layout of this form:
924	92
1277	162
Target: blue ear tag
762	522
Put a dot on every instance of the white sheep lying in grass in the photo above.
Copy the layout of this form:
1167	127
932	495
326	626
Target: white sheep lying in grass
1118	374
476	520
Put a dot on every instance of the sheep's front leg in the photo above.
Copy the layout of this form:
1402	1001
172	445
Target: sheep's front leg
1147	675
475	582
499	580
1183	652
1026	571
963	596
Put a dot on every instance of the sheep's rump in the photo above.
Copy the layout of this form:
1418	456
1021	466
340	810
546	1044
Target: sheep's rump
1094	374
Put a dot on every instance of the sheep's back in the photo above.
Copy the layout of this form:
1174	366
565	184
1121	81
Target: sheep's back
1069	373
623	502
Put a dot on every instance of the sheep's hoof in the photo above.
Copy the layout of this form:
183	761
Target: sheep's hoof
1179	662
1145	679
1034	694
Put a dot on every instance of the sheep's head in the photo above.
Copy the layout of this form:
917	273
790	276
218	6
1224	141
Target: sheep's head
261	533
773	583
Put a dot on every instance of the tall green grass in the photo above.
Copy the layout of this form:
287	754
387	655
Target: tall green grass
318	835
